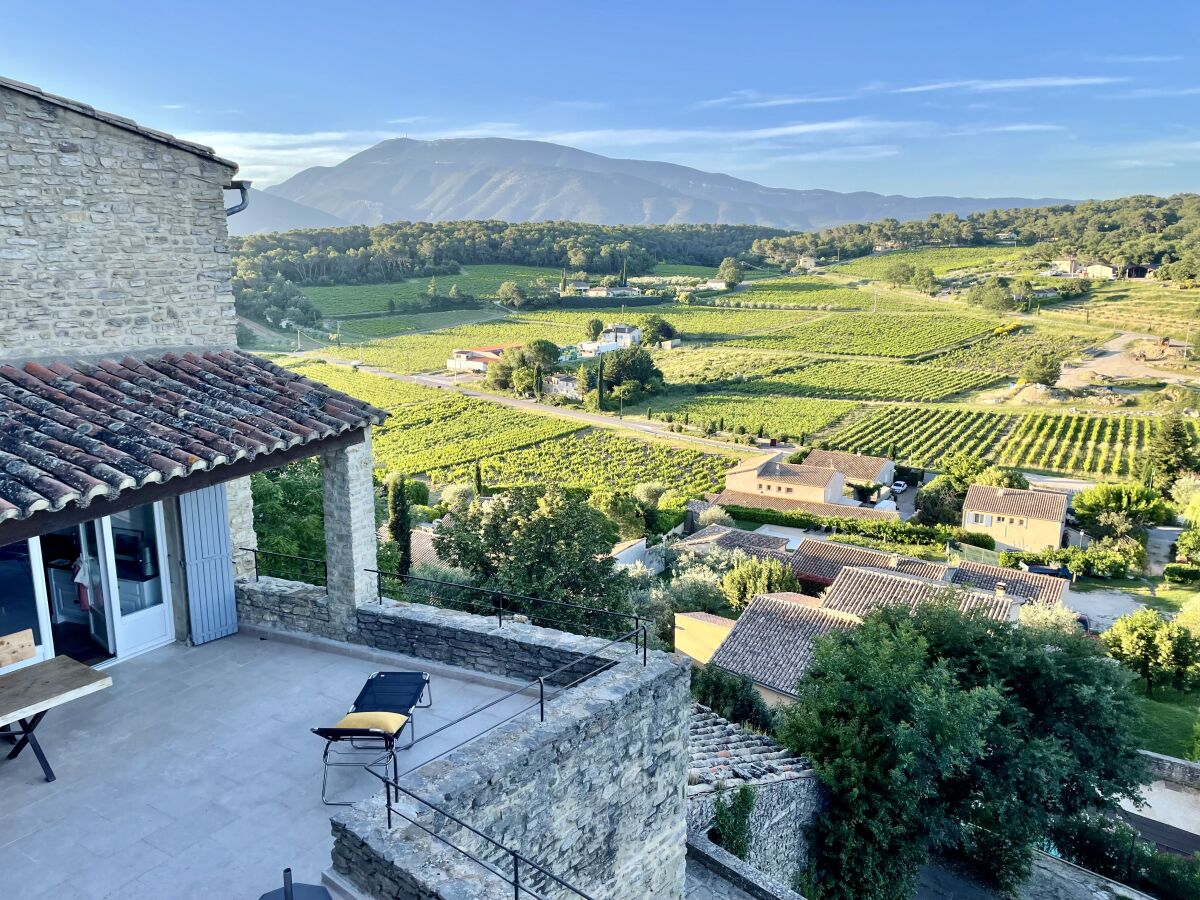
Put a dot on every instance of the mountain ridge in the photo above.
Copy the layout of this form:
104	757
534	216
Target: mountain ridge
405	179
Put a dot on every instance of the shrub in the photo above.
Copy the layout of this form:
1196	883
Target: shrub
732	697
1181	573
974	538
732	821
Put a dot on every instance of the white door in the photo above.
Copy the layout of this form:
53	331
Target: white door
136	564
23	599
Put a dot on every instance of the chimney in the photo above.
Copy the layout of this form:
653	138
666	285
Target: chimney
1001	587
894	562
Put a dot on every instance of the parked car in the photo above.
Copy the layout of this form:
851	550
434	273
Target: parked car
899	487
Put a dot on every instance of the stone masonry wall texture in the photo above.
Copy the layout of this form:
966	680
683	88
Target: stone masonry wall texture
110	241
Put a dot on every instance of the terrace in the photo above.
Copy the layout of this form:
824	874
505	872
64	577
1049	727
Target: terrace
196	774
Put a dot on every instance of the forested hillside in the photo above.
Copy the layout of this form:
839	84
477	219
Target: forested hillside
1140	229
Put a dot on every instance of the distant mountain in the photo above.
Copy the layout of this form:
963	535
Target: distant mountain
268	212
521	181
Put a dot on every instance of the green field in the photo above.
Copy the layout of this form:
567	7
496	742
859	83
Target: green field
697	323
602	458
775	415
476	281
943	260
355	331
922	435
871	381
378	390
1168	721
814	292
865	334
671	270
719	362
1134	306
428	352
1099	445
1007	353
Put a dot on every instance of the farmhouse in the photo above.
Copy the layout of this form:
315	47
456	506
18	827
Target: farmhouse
1017	519
622	335
713	284
1100	270
771	644
725	537
774	477
558	385
606	290
475	359
854	467
1066	265
579	285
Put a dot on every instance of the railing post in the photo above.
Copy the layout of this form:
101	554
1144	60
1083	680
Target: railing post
516	875
542	697
379	587
498	602
387	786
254	553
645	645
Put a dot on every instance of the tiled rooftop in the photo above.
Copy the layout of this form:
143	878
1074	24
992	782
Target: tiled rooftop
728	538
1047	505
819	560
73	431
854	466
721	752
831	510
1017	582
861	591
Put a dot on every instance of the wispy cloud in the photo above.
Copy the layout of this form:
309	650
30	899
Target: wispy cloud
408	120
1147	93
1010	84
269	157
1008	128
1137	60
747	99
174	106
851	153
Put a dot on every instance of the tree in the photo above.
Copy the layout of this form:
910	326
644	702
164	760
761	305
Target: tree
431	289
714	515
999	476
400	522
925	281
938	731
510	293
1141	505
600	384
939	502
656	329
544	543
458	496
623	510
541	352
594	327
992	295
1153	648
1057	616
524	380
899	272
648	493
632	364
730	271
391	304
963	467
752	576
477	479
1044	368
454	293
1170	450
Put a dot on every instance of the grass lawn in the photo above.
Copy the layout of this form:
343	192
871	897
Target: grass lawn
1168	721
478	281
1165	596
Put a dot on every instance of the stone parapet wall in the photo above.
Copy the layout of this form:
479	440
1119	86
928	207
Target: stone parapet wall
783	811
737	872
595	793
1172	769
111	241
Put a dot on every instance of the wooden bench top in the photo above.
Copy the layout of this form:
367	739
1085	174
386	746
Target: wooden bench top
45	685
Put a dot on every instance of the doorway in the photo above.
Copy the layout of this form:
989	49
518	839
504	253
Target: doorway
81	614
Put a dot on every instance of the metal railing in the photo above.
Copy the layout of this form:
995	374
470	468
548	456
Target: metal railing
306	569
573	617
517	860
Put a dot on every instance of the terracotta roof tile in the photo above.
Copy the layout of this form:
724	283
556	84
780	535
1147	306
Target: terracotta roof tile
722	754
855	466
772	640
860	591
73	431
1017	583
1050	506
728	538
817	560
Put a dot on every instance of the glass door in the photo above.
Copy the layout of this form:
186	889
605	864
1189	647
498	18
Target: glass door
22	599
138	570
77	598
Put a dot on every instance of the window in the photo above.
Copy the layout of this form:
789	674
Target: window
976	519
789	490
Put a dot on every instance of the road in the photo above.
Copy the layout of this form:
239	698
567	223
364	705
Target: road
1112	361
652	428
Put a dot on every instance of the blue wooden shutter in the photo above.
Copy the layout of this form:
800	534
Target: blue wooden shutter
208	563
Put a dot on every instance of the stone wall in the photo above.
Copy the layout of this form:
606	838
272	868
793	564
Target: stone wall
1173	770
287	605
737	872
595	793
240	502
110	240
783	811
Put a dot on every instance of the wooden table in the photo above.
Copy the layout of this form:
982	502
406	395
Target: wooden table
27	694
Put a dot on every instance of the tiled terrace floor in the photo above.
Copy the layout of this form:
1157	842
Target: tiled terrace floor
196	776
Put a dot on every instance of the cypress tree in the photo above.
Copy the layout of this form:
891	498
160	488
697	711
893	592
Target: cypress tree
600	385
400	522
477	478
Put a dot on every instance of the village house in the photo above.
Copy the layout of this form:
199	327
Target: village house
129	427
1018	519
475	359
856	468
699	634
624	336
1099	270
771	483
560	385
1066	265
613	291
580	286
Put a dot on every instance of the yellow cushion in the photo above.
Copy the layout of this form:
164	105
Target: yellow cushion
389	723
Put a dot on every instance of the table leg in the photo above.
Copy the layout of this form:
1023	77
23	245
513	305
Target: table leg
7	734
28	726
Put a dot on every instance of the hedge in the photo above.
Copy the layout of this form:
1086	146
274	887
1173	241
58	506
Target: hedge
1181	573
890	530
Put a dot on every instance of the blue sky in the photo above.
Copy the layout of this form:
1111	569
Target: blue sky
1059	99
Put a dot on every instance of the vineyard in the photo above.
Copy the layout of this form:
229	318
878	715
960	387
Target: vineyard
804	291
1007	353
922	435
1134	306
695	322
872	381
474	281
1105	445
693	365
427	352
865	334
775	415
943	260
601	459
378	390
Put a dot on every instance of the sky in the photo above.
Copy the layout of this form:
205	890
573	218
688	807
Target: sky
1051	99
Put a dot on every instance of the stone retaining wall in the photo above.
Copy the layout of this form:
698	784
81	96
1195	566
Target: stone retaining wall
289	605
737	872
783	811
1172	769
